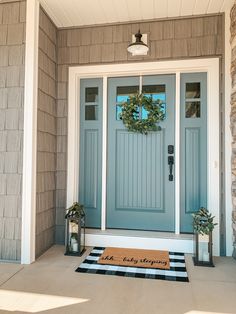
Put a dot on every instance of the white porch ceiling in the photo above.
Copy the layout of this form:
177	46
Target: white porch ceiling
69	13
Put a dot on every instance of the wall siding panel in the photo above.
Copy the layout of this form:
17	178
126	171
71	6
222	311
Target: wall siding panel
12	34
47	129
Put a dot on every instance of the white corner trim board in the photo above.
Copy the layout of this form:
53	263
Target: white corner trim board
30	134
211	66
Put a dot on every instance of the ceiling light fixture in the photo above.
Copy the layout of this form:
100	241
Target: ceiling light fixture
138	48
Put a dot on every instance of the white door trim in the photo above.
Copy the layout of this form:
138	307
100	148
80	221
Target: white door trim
211	66
177	153
104	152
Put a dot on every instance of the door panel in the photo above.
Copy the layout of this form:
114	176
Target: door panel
192	166
193	146
90	182
139	193
137	187
90	168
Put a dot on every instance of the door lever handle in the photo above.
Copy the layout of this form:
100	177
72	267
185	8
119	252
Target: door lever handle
171	163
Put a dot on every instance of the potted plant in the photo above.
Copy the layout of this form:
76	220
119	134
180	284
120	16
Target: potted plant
203	225
203	221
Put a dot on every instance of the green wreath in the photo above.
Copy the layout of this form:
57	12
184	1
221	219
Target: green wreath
130	114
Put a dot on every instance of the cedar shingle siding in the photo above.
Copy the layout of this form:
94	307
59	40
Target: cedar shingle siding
46	145
12	39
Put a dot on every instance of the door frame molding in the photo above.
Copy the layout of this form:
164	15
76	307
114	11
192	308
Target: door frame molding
211	66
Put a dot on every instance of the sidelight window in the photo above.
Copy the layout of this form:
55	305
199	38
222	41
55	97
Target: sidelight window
193	100
91	103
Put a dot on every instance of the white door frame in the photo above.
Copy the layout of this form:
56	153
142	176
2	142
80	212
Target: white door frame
211	66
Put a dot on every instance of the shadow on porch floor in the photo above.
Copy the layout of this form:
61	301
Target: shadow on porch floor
50	285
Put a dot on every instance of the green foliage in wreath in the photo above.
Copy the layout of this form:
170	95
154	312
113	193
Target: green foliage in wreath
203	221
131	109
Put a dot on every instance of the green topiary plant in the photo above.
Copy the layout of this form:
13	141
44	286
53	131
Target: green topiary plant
75	211
203	221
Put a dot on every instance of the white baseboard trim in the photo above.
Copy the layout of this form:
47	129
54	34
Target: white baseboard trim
171	244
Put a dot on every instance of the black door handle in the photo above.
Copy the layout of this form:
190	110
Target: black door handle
171	163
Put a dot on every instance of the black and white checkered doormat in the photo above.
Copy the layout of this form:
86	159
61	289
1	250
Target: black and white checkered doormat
177	271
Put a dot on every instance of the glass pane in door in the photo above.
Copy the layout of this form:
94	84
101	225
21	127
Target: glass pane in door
158	93
123	94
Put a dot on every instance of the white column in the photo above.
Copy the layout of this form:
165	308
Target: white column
30	134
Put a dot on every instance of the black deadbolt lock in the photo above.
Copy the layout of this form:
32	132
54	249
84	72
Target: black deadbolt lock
170	149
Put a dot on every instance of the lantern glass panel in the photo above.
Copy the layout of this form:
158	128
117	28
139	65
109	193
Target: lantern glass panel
73	236
203	248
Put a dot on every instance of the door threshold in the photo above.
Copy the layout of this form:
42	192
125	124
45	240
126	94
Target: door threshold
140	239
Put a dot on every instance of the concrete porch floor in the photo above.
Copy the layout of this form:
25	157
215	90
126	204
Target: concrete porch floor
50	285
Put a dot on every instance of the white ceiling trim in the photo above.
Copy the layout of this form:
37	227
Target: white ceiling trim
72	13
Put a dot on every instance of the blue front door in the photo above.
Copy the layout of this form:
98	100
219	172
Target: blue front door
140	193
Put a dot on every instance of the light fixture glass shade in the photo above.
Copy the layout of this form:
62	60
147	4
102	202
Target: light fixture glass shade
138	48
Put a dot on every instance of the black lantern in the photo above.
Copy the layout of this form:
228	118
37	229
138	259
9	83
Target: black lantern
75	230
203	250
203	226
138	48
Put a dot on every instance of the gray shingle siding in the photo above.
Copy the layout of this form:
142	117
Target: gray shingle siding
46	146
12	38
